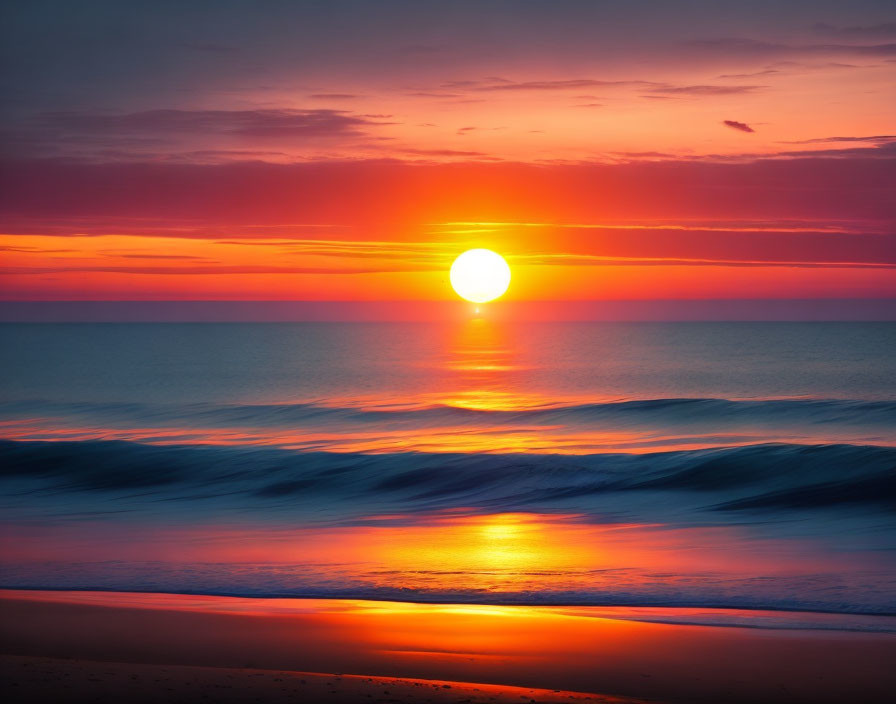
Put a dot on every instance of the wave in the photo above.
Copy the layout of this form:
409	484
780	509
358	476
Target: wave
763	477
667	410
581	428
842	496
866	593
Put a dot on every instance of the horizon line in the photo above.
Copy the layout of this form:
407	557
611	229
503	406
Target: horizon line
651	310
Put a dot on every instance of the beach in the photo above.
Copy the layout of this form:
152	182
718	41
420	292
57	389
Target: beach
94	646
472	512
32	679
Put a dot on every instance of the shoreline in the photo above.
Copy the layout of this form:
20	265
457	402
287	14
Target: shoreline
507	646
697	616
455	602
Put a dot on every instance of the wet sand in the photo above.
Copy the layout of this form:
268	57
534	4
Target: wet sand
77	646
30	679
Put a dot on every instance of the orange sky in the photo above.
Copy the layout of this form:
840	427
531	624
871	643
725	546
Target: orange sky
695	151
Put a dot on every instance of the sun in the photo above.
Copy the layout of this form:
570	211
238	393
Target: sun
480	275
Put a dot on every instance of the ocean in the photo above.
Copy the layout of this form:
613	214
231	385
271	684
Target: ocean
729	465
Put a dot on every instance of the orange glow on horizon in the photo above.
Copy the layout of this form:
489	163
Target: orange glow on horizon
130	267
587	649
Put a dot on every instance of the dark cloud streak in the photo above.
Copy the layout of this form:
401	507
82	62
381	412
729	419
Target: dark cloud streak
735	125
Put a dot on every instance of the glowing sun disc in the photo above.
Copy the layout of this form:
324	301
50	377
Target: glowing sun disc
480	275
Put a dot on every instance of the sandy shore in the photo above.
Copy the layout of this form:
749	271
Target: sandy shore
32	679
77	646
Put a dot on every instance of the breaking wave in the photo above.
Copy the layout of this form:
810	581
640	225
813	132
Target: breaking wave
667	410
763	477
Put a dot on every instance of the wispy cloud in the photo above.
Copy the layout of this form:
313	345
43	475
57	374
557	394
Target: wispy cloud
882	150
443	152
206	270
155	256
564	84
334	96
874	31
754	74
654	89
739	46
586	260
707	90
246	123
874	139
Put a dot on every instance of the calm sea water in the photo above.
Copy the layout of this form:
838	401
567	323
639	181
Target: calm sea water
702	464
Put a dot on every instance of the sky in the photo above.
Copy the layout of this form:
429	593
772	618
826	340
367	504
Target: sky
348	151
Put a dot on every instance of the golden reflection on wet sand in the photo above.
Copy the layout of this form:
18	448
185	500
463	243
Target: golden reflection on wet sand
597	650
